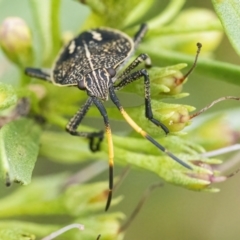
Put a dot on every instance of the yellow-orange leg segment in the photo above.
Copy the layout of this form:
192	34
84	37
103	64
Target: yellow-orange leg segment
141	131
111	164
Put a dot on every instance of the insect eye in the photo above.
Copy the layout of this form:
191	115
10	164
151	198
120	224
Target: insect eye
81	85
111	72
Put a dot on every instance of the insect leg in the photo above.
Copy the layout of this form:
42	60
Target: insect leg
38	73
138	129
148	108
75	122
98	237
103	112
139	35
141	58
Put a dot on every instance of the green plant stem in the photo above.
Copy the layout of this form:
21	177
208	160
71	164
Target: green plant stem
167	15
46	16
171	30
24	79
55	28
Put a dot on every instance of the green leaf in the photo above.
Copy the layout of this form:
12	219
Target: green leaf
51	195
46	16
8	96
106	224
18	229
15	234
34	199
63	147
19	145
115	13
229	14
167	168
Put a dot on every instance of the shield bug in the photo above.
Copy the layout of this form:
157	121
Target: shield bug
92	62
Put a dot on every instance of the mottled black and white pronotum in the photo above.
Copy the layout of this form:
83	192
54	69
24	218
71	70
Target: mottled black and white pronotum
92	62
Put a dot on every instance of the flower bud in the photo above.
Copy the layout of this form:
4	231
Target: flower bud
166	81
174	116
16	41
211	176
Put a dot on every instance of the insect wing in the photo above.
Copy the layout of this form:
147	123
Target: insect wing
93	49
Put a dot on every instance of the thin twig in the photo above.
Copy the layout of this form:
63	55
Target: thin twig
63	230
221	151
86	174
145	195
213	103
121	178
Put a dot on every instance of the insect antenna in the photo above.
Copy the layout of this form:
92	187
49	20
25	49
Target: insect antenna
199	46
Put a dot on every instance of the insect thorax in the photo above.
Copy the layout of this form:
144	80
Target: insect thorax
97	83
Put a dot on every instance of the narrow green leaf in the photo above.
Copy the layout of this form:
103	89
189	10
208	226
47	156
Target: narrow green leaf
19	145
168	169
55	27
62	147
46	15
138	12
229	14
168	14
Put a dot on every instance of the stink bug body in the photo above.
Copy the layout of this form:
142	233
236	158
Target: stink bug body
91	62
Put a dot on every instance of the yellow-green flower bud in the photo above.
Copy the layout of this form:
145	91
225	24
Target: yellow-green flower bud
174	116
16	41
211	177
166	81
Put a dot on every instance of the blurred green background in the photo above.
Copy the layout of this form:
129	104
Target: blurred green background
170	212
